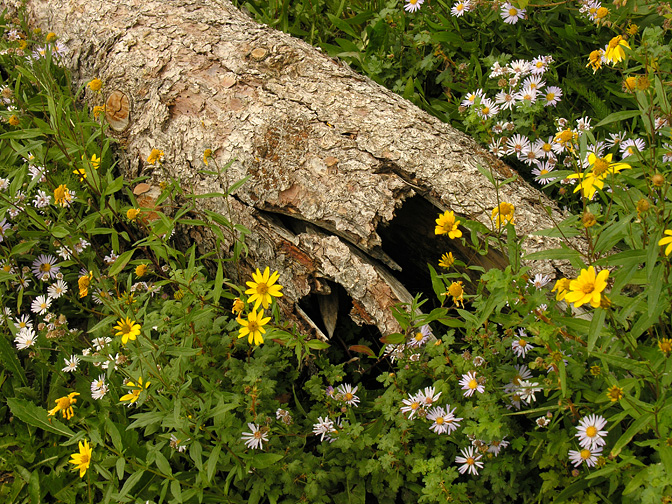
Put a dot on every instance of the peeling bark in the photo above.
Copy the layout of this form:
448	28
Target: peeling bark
334	159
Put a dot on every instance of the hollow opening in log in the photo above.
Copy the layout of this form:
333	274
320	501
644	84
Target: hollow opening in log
409	239
331	313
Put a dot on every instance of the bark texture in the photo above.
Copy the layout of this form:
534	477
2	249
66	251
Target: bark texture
346	178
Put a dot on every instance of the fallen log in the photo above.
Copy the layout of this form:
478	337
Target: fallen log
346	177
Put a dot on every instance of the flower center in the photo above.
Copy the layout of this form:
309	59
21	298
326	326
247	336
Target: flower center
348	396
591	431
418	336
439	420
45	267
84	459
253	326
585	454
601	165
415	405
470	461
262	289
473	384
543	172
258	434
522	343
513	12
588	287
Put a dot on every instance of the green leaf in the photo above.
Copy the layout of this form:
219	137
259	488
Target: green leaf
393	339
595	327
22	248
120	465
362	349
162	463
342	25
618	116
316	344
635	428
263	460
37	417
176	490
113	431
10	361
211	466
130	483
121	262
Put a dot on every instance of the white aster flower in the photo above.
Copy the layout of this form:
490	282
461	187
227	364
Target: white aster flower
420	337
56	290
589	431
540	281
587	455
347	394
178	444
469	460
428	397
496	446
542	421
413	5
323	427
40	305
511	14
521	346
470	384
23	322
444	420
26	338
412	405
71	364
527	389
255	438
101	342
460	7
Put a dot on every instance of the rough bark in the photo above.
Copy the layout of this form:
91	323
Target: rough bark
346	177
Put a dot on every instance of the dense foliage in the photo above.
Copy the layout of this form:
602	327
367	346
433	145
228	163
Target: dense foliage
134	371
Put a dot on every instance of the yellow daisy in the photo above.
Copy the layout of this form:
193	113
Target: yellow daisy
667	241
134	395
82	460
127	329
253	327
263	287
64	405
587	288
600	168
447	224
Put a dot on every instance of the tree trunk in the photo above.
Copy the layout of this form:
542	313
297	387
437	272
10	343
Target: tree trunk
346	177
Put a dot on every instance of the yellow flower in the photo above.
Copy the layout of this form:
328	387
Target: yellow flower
600	169
503	213
82	460
457	292
155	156
83	283
595	60
51	37
132	213
238	306
588	219
587	288
95	84
667	241
97	110
595	370
64	405
13	120
262	288
601	12
615	52
665	345
562	286
207	154
253	327
629	83
127	329
447	260
632	29
447	224
141	270
62	196
134	394
566	137
614	393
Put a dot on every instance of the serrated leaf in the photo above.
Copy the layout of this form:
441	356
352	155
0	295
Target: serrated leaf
10	361
37	417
